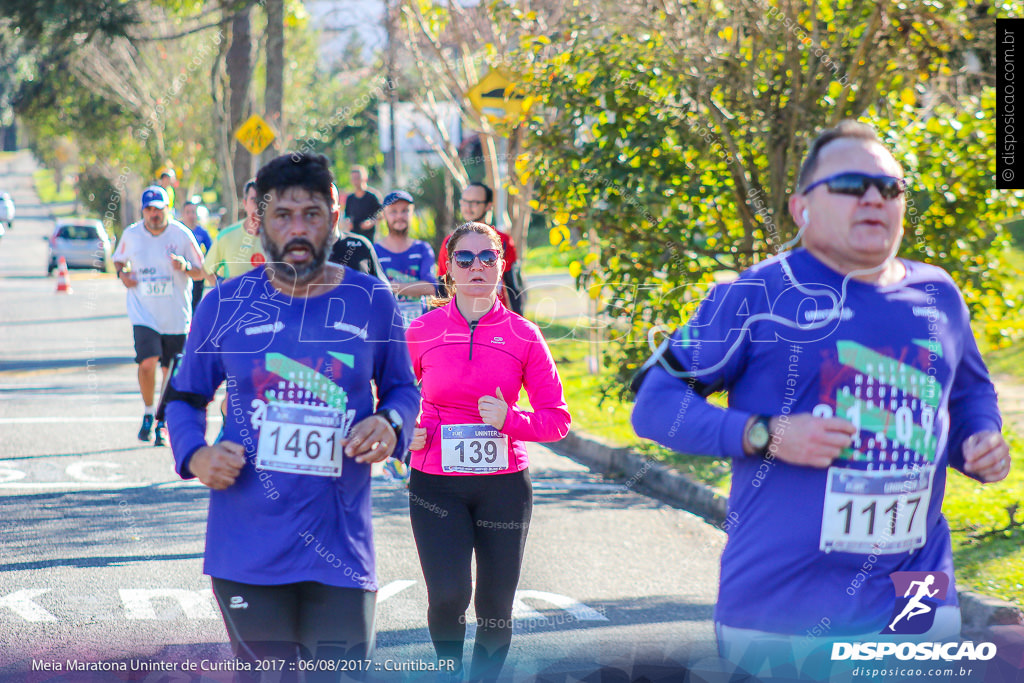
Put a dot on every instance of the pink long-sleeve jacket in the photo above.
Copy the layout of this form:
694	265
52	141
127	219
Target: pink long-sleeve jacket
458	363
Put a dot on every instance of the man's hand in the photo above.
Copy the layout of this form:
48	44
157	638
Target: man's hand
217	466
493	409
371	440
987	455
419	439
180	263
127	280
808	440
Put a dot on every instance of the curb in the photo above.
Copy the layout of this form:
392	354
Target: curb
979	612
644	475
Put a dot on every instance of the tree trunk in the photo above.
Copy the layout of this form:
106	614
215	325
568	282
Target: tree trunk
222	134
239	64
274	94
519	204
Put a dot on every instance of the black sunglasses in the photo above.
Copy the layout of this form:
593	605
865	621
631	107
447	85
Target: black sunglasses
857	184
464	258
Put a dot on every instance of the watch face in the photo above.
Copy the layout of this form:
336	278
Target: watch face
758	434
395	417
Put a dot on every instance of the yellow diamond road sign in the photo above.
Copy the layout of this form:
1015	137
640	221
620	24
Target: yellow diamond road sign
255	134
494	99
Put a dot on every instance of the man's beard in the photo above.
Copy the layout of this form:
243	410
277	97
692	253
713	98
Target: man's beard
401	231
287	272
157	224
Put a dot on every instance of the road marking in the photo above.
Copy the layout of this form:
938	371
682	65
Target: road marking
21	604
77	470
64	419
16	394
393	588
547	487
575	608
10	474
138	602
71	485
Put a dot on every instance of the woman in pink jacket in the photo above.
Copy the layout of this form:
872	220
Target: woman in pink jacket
469	490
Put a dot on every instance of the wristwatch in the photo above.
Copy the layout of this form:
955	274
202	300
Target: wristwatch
759	435
393	418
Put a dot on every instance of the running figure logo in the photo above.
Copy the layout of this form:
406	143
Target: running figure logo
917	596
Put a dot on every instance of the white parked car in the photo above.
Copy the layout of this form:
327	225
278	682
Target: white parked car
6	211
82	242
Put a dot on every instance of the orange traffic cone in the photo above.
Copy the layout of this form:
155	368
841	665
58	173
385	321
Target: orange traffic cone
63	279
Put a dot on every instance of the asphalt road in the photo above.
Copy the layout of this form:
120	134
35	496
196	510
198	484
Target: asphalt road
102	544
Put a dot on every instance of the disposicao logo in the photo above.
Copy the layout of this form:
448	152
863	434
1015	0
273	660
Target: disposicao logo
918	594
947	652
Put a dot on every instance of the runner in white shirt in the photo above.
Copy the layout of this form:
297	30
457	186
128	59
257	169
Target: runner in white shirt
157	259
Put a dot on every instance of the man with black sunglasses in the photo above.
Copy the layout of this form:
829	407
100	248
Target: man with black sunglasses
854	382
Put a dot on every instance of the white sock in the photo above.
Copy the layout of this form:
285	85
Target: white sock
150	410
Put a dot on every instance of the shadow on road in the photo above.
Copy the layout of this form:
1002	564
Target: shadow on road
61	363
68	527
86	562
53	321
619	612
75	454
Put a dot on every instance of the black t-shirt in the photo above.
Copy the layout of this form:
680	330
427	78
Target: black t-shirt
356	252
358	209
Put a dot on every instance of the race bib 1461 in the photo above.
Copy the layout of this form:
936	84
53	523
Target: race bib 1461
301	440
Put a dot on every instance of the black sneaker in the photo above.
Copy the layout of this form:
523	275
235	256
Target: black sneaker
161	434
147	425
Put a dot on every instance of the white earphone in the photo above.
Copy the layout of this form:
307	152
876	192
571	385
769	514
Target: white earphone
806	216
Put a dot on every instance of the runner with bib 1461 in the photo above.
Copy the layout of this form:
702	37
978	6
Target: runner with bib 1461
319	386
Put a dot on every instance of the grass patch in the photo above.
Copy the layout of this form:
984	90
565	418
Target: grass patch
1008	361
46	187
988	562
548	259
608	417
991	564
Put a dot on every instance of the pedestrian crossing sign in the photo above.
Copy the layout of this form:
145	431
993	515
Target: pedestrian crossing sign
255	134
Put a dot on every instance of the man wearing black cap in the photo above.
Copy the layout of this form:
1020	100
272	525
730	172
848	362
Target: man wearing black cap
157	259
408	263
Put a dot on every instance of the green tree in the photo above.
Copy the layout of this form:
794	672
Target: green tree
128	95
673	137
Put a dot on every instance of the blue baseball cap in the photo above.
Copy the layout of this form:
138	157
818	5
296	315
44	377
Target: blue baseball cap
154	195
397	196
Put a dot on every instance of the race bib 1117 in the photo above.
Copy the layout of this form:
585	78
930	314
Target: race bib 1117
876	512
